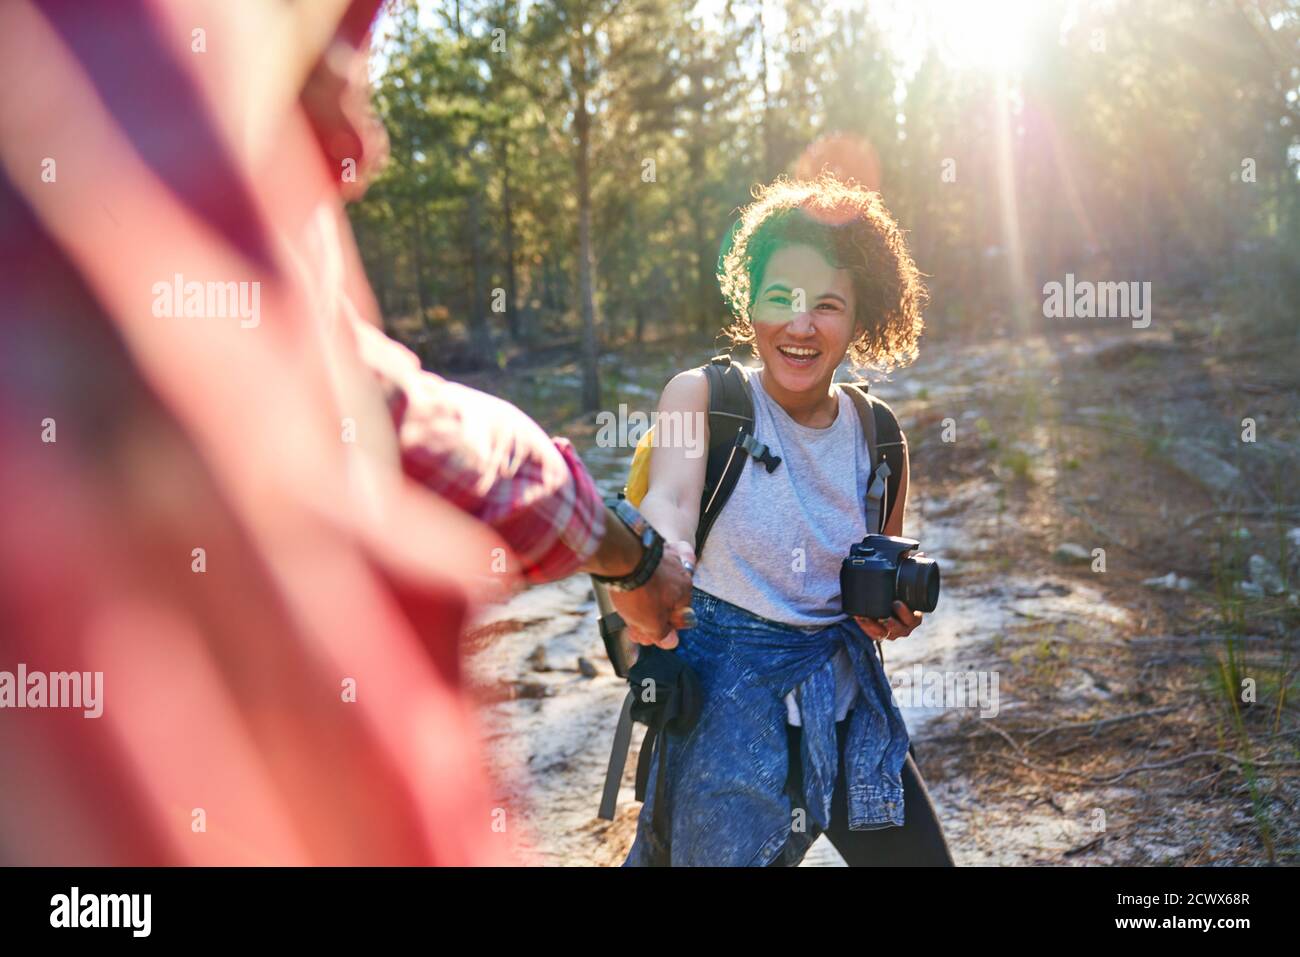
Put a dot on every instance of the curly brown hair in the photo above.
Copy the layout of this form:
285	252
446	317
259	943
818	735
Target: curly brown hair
850	226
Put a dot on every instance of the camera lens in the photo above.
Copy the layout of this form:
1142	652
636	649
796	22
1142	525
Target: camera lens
918	583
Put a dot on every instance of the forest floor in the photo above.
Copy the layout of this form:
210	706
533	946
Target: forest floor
1145	712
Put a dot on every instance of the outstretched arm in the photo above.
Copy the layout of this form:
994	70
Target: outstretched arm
491	460
672	502
677	467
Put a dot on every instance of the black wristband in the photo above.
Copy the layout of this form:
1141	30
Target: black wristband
652	544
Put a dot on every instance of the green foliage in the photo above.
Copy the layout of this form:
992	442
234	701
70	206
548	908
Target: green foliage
652	119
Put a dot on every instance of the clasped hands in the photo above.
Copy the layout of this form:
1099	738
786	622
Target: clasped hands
658	608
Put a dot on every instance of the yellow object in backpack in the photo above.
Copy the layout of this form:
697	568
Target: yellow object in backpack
638	476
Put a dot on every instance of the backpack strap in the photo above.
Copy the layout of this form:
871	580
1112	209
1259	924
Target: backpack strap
731	441
886	446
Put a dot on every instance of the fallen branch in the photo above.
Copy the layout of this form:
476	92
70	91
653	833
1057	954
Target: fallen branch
1069	726
1085	848
1099	529
1189	639
1104	722
1278	510
1158	766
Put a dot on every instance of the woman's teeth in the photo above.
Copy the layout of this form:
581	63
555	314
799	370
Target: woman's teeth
798	353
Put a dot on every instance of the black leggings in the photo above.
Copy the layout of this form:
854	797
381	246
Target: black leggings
918	843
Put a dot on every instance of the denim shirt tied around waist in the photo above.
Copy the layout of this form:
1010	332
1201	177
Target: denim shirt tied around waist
727	789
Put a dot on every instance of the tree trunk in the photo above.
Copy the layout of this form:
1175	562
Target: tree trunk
705	260
512	288
586	268
480	334
417	260
765	119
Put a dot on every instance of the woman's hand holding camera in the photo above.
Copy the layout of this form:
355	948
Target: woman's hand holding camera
885	573
900	626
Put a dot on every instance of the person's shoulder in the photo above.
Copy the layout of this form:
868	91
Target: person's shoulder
688	390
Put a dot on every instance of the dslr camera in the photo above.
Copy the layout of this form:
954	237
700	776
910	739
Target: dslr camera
880	570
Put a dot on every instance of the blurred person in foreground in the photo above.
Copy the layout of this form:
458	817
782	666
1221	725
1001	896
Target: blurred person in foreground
217	511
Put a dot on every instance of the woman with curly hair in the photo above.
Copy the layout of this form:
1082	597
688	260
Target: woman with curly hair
798	733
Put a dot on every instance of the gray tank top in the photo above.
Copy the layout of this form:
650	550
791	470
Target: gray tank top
776	547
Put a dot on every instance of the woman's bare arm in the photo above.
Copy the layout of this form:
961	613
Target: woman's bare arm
677	467
672	501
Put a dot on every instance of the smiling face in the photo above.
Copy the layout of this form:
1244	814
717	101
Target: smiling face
803	318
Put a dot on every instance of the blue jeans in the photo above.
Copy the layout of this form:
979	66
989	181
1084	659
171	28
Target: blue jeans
728	800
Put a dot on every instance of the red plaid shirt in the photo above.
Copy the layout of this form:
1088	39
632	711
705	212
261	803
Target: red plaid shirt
491	460
224	691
